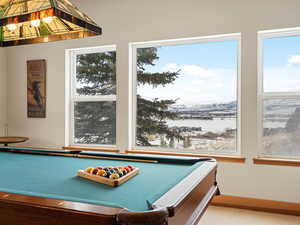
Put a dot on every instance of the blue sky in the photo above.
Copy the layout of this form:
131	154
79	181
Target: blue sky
209	70
206	55
208	73
282	64
278	51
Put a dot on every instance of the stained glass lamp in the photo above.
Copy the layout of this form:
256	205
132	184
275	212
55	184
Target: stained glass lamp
38	21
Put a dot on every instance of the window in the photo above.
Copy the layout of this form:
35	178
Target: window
185	95
93	96
279	96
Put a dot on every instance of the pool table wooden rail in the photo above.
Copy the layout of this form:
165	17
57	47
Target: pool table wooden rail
24	209
181	205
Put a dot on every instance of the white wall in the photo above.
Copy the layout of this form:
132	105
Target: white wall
3	97
141	20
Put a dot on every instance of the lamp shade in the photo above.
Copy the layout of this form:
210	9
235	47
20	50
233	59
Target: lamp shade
38	21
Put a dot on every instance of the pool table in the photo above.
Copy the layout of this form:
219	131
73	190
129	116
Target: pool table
41	187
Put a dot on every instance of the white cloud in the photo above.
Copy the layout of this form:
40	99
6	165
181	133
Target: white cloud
192	70
282	79
195	85
197	71
295	59
219	85
171	67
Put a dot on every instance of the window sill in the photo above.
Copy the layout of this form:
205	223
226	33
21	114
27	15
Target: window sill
278	162
220	158
97	149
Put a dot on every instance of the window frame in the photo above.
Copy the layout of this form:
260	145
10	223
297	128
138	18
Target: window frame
72	97
261	95
173	42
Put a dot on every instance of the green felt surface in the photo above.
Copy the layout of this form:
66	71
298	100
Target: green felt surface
55	177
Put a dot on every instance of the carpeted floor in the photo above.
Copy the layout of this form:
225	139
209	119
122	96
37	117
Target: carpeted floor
230	216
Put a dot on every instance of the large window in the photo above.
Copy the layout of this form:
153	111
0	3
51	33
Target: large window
186	95
279	96
93	96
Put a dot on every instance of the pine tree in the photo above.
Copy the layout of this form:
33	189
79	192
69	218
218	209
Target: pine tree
95	122
152	114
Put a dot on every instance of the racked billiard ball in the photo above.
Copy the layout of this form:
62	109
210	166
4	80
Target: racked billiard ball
120	173
124	171
131	167
114	176
95	171
101	173
108	174
89	170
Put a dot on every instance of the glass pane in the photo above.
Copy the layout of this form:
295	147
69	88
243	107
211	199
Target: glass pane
187	97
96	74
281	64
95	123
15	8
281	125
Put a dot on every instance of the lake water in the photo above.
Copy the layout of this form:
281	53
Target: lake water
215	125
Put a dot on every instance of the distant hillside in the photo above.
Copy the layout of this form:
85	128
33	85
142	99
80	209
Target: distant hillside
230	106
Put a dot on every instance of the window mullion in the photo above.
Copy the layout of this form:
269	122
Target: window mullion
100	98
278	123
274	95
90	114
192	142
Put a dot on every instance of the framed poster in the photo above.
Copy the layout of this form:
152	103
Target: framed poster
36	88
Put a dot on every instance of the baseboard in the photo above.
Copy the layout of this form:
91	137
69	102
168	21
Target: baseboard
257	204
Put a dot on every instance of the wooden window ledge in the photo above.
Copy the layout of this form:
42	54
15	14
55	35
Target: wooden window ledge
278	162
219	158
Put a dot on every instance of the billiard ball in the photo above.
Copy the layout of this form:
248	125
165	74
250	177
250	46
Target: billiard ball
131	167
108	174
95	171
89	170
120	173
101	173
114	176
124	171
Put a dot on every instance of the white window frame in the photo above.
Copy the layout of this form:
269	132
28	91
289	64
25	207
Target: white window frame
173	42
72	97
261	95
